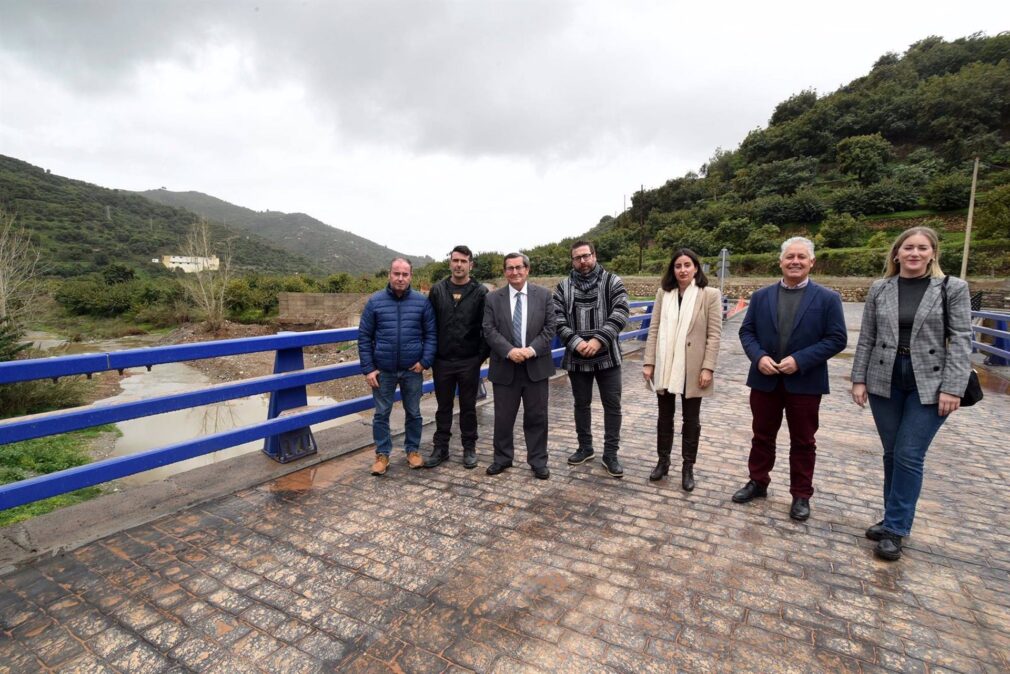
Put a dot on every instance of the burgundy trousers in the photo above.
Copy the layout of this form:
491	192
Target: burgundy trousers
801	412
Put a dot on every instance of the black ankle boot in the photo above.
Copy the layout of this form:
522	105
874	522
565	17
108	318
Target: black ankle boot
687	476
661	469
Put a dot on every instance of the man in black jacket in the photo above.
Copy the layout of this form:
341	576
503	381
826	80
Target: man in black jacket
458	301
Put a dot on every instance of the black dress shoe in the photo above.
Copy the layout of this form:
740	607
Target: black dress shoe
470	458
749	492
496	468
436	458
888	547
876	532
581	456
613	466
542	473
800	510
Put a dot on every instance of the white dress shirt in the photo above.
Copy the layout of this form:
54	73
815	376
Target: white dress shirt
526	303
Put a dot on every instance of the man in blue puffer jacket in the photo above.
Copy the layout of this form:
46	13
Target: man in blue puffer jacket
396	343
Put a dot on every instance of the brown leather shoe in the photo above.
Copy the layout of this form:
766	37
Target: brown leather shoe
380	465
414	460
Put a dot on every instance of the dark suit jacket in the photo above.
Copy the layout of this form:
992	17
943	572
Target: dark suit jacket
818	334
539	333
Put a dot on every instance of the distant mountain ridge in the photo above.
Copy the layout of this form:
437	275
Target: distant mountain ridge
331	248
81	228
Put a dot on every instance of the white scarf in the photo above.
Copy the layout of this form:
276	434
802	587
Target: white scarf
671	362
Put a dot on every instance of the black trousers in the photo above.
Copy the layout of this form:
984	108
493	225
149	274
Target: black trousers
609	383
447	376
533	395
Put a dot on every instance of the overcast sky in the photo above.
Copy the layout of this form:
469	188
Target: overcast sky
422	124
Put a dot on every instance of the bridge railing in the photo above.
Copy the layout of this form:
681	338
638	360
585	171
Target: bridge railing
285	431
999	351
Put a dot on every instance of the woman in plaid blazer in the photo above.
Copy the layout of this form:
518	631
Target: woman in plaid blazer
910	371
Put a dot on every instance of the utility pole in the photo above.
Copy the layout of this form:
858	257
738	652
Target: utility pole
967	228
641	234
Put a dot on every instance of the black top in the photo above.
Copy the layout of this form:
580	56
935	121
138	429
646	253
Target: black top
789	304
910	292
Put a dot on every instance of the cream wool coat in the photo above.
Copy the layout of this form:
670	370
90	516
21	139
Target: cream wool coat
703	335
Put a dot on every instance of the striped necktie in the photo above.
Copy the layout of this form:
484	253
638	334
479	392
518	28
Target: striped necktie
517	321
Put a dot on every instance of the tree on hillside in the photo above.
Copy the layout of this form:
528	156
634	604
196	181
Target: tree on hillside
993	219
793	107
208	288
19	268
865	157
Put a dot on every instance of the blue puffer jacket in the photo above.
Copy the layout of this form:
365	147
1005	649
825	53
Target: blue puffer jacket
396	332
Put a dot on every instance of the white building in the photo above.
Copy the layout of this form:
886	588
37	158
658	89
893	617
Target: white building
190	264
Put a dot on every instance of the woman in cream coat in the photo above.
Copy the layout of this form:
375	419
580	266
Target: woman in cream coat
681	355
911	370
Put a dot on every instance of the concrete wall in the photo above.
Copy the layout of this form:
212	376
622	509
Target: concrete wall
324	310
343	310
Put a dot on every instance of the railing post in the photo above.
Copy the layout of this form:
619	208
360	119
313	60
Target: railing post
999	343
647	322
300	442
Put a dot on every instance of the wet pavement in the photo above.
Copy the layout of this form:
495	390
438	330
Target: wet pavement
330	569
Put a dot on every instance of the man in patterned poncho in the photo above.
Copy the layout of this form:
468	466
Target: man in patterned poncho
592	309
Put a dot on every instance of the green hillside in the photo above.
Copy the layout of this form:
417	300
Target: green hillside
897	143
334	250
82	228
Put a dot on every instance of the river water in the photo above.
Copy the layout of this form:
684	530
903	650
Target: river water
146	433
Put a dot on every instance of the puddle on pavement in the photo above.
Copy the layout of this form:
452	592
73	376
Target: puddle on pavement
319	476
992	382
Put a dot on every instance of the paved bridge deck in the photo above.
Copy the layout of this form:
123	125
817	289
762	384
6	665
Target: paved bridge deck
330	569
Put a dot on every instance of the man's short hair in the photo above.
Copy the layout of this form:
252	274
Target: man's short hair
526	260
580	243
462	250
797	239
401	259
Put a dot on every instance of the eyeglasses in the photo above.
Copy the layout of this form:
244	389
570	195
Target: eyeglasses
580	258
520	267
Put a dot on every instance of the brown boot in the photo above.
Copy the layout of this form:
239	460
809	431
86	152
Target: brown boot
380	465
414	460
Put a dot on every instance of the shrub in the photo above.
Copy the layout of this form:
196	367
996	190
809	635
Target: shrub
841	230
948	193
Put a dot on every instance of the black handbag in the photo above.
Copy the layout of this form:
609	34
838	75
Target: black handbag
973	392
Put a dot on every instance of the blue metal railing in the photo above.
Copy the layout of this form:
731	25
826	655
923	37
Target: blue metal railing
288	412
999	351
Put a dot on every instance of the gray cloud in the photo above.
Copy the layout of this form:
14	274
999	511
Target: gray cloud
475	79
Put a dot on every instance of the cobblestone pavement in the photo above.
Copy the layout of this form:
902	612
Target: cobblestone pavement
330	569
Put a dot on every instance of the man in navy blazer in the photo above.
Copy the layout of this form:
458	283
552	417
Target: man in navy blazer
790	331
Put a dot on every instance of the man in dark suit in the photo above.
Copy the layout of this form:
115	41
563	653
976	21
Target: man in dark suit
518	327
790	331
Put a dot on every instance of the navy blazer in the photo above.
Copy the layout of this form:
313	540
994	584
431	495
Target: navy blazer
818	334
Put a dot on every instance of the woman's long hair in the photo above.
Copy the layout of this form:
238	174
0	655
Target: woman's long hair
669	281
892	256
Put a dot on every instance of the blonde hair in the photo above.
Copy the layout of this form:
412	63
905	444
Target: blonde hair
934	263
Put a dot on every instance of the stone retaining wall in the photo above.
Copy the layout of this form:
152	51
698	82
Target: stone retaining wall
342	310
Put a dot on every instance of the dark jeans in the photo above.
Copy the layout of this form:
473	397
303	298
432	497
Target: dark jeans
447	376
609	383
802	416
906	429
410	384
690	413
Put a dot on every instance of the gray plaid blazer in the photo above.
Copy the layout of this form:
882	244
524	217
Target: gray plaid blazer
939	364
